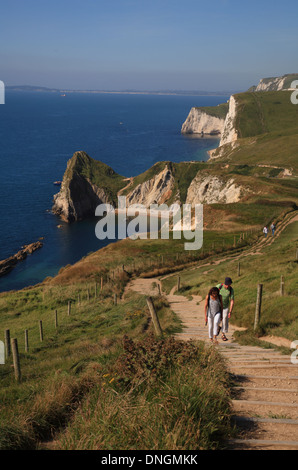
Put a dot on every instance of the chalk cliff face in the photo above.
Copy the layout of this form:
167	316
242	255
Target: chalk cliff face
276	83
78	199
230	132
88	183
212	189
200	122
156	190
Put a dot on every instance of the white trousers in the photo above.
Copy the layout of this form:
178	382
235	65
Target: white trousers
225	320
213	324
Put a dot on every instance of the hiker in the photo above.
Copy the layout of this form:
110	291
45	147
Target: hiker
273	227
213	313
265	231
227	293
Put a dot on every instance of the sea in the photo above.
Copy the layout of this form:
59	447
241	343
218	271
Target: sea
39	132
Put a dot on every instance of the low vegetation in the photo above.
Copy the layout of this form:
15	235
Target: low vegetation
102	361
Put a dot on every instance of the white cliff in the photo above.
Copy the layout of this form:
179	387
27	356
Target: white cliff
156	190
200	122
276	83
211	189
230	132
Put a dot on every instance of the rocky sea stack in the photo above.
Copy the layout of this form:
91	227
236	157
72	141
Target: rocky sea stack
86	184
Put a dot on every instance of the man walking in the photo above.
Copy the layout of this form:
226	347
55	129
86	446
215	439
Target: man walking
227	293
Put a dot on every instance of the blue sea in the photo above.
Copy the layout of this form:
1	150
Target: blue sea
39	132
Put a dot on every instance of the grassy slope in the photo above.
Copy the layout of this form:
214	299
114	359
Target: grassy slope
267	125
219	111
260	113
78	364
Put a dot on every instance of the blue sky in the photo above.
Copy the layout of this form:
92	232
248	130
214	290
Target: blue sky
147	44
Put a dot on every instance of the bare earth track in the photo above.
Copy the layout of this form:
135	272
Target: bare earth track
265	402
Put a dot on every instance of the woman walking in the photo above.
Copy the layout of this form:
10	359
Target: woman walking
213	313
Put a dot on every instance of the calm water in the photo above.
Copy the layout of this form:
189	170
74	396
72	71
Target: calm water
40	132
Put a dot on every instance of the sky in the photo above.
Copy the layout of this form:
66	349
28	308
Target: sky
222	45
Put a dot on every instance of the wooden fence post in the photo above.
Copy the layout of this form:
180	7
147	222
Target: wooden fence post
7	343
69	308
40	330
178	283
16	359
282	286
239	271
115	299
26	341
258	306
154	316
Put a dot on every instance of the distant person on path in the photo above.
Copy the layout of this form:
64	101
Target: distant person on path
273	227
227	293
265	231
213	313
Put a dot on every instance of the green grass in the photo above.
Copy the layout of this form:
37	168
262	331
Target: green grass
160	395
260	113
267	126
219	111
66	372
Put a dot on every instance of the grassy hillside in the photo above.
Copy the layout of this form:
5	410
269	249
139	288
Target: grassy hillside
87	381
267	126
260	113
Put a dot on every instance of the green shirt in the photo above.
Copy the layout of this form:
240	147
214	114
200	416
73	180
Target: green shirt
226	294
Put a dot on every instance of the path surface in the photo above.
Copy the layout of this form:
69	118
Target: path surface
265	400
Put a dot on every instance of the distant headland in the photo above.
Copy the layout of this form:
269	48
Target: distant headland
40	89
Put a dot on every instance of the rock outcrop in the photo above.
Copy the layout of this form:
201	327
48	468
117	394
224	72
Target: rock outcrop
200	122
211	189
86	185
78	199
156	190
79	194
8	264
229	133
275	83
